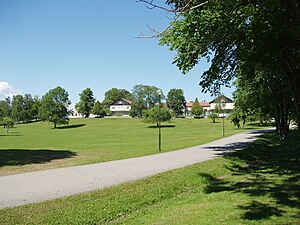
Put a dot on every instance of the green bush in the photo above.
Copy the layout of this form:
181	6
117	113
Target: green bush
151	115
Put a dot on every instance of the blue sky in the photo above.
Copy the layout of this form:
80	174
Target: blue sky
86	43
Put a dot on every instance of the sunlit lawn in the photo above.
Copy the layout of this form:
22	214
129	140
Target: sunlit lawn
37	146
259	185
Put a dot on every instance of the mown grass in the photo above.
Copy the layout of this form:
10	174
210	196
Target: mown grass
258	185
37	146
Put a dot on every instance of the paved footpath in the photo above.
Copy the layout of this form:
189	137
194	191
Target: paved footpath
39	186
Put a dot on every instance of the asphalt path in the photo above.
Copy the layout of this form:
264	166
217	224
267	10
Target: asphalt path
39	186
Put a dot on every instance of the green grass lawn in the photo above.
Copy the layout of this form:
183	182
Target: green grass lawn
37	146
258	185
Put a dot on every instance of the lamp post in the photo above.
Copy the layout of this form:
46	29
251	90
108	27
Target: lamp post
223	107
159	93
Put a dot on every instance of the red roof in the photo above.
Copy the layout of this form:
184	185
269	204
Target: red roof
203	104
189	104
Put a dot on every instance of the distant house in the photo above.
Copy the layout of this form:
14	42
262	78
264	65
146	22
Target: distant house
205	106
121	107
224	103
75	114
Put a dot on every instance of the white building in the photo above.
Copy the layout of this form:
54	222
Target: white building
120	107
223	103
205	106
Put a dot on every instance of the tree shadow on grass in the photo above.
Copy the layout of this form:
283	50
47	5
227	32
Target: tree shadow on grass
258	211
71	126
9	134
163	126
18	157
267	169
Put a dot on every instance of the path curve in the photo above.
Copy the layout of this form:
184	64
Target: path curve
39	186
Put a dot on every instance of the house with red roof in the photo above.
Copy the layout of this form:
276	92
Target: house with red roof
222	102
189	105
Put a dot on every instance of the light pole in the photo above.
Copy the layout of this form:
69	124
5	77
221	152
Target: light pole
159	93
223	107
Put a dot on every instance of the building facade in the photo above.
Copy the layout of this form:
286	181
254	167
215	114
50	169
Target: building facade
120	107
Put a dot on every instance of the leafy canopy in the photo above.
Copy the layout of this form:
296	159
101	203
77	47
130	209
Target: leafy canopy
152	115
176	101
247	40
54	106
197	109
86	102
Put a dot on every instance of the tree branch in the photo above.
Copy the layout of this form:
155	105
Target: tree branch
178	12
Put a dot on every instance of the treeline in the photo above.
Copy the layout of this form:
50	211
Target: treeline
54	105
257	43
142	97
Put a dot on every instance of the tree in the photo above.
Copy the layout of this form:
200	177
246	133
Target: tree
235	118
5	108
98	109
7	123
17	108
213	117
86	102
29	112
144	97
197	109
35	109
176	101
54	106
152	116
247	40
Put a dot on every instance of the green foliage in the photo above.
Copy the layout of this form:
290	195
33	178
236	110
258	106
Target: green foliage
98	109
176	101
144	97
5	108
7	122
197	109
29	108
86	102
255	42
17	108
54	106
114	94
155	115
35	108
235	119
213	117
21	108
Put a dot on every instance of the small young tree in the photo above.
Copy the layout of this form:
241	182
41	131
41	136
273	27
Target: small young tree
151	115
237	116
98	109
235	119
197	109
7	123
213	117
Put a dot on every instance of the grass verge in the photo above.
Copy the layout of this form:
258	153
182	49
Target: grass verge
258	185
36	146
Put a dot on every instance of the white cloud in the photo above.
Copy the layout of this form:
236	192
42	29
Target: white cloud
7	90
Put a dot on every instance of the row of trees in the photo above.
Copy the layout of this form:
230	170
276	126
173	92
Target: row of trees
54	105
255	42
143	97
